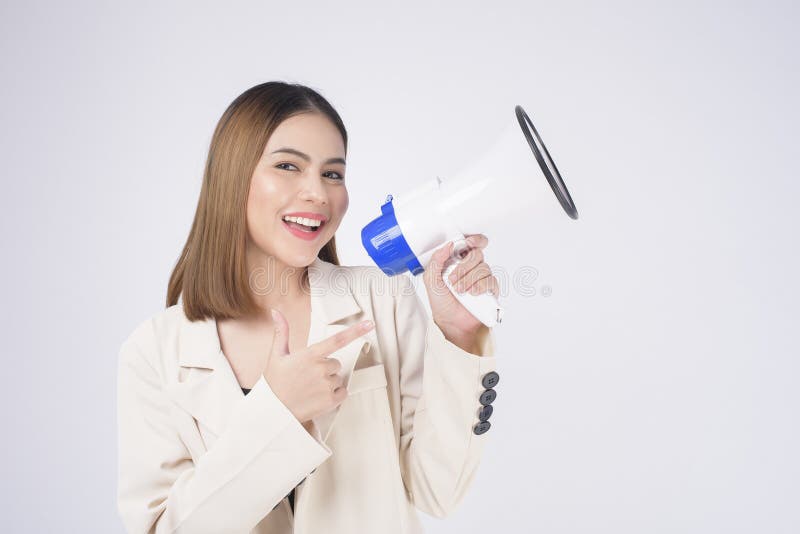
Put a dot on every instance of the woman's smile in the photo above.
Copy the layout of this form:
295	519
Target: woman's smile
303	231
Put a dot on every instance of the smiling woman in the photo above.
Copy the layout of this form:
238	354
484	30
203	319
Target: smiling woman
280	392
297	185
251	163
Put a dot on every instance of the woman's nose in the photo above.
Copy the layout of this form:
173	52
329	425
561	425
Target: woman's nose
313	189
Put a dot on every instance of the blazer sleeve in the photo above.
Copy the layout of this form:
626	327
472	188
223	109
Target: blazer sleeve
439	451
262	454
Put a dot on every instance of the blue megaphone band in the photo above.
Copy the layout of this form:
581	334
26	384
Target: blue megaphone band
383	239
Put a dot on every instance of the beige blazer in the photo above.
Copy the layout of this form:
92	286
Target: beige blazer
196	455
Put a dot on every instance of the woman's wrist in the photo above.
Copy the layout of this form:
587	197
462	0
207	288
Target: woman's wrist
468	340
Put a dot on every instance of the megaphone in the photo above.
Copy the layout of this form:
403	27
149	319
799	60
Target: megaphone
412	226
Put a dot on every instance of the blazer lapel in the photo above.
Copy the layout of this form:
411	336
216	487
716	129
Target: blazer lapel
209	390
333	309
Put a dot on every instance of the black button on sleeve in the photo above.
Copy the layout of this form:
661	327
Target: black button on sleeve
485	412
482	427
490	379
488	396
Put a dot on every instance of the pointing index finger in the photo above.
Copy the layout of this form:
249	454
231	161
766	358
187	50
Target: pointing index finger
340	339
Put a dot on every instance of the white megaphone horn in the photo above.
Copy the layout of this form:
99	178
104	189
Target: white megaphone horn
506	179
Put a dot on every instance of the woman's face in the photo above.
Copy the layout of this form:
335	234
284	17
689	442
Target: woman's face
301	172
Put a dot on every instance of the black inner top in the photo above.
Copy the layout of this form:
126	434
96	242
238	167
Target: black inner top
291	493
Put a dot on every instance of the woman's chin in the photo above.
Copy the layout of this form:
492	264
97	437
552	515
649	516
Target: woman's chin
300	259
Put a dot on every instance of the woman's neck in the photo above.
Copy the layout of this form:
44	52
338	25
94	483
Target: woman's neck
274	284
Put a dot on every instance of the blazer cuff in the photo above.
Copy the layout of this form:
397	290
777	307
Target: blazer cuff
269	410
486	345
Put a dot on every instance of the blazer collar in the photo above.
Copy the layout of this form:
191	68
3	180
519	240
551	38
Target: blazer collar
210	389
331	301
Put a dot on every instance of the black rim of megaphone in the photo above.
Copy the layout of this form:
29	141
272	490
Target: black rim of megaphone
548	165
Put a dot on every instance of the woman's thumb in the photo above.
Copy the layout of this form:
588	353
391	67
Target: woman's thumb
280	341
437	261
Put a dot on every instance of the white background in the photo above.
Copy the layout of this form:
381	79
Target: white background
655	389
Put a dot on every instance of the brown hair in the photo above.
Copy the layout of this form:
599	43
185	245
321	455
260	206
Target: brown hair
211	273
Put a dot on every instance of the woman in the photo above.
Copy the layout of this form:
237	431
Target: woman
227	399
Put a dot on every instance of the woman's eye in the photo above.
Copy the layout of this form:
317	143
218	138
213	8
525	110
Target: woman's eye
330	174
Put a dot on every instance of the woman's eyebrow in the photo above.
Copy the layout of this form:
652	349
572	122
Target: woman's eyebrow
306	157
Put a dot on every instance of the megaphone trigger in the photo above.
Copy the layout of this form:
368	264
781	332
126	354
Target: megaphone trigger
460	248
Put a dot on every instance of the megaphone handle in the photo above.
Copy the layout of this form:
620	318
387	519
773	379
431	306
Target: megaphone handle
486	306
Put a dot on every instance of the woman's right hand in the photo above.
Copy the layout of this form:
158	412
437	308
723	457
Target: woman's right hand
306	382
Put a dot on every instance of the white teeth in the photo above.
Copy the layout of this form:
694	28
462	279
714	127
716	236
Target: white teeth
302	220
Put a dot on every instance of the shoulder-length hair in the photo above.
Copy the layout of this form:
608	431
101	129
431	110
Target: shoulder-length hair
211	274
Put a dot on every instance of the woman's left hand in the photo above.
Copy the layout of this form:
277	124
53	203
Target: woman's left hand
472	274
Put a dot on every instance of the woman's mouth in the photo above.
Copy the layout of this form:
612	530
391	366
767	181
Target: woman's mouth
302	227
